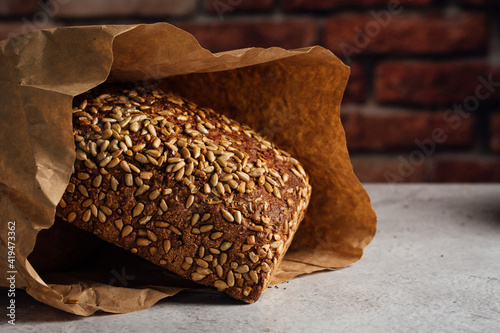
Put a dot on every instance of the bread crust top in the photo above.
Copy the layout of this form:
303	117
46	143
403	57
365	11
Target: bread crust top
183	187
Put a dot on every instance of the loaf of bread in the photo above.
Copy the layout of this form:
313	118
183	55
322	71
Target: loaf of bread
183	187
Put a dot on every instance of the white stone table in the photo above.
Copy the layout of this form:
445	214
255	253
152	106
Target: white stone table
434	266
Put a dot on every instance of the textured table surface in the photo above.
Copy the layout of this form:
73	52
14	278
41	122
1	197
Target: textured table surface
434	266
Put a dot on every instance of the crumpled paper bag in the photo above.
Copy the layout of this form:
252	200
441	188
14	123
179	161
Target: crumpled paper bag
290	96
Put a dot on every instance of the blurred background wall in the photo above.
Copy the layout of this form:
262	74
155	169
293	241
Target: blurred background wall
423	100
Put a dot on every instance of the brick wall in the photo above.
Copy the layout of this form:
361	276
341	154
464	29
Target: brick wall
423	100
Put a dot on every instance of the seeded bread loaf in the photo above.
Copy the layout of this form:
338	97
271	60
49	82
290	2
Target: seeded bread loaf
183	187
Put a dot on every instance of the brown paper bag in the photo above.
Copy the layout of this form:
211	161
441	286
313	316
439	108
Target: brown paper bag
290	96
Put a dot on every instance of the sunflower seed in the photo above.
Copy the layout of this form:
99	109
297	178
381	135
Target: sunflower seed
142	242
179	174
214	251
129	179
152	236
141	158
226	178
230	278
242	269
219	270
163	205
214	180
97	181
197	276
225	246
86	215
141	190
134	168
87	203
80	155
145	219
220	285
202	263
62	203
253	257
189	201
166	245
221	188
94	210
188	261
114	162
153	152
241	187
196	151
83	191
206	228
138	209
178	166
138	181
114	184
119	224
93	148
256	228
194	219
101	216
71	188
247	290
138	147
175	230
127	230
216	235
89	164
237	217
135	127
124	165
71	217
265	267
285	177
227	215
106	210
105	144
105	161
154	194
257	172
156	143
146	175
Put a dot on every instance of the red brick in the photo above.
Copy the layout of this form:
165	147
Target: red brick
293	33
349	35
495	132
467	169
99	8
294	5
385	130
495	76
224	7
355	90
18	7
382	169
481	2
427	83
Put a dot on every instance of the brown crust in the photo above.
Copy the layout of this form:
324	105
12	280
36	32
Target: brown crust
171	133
